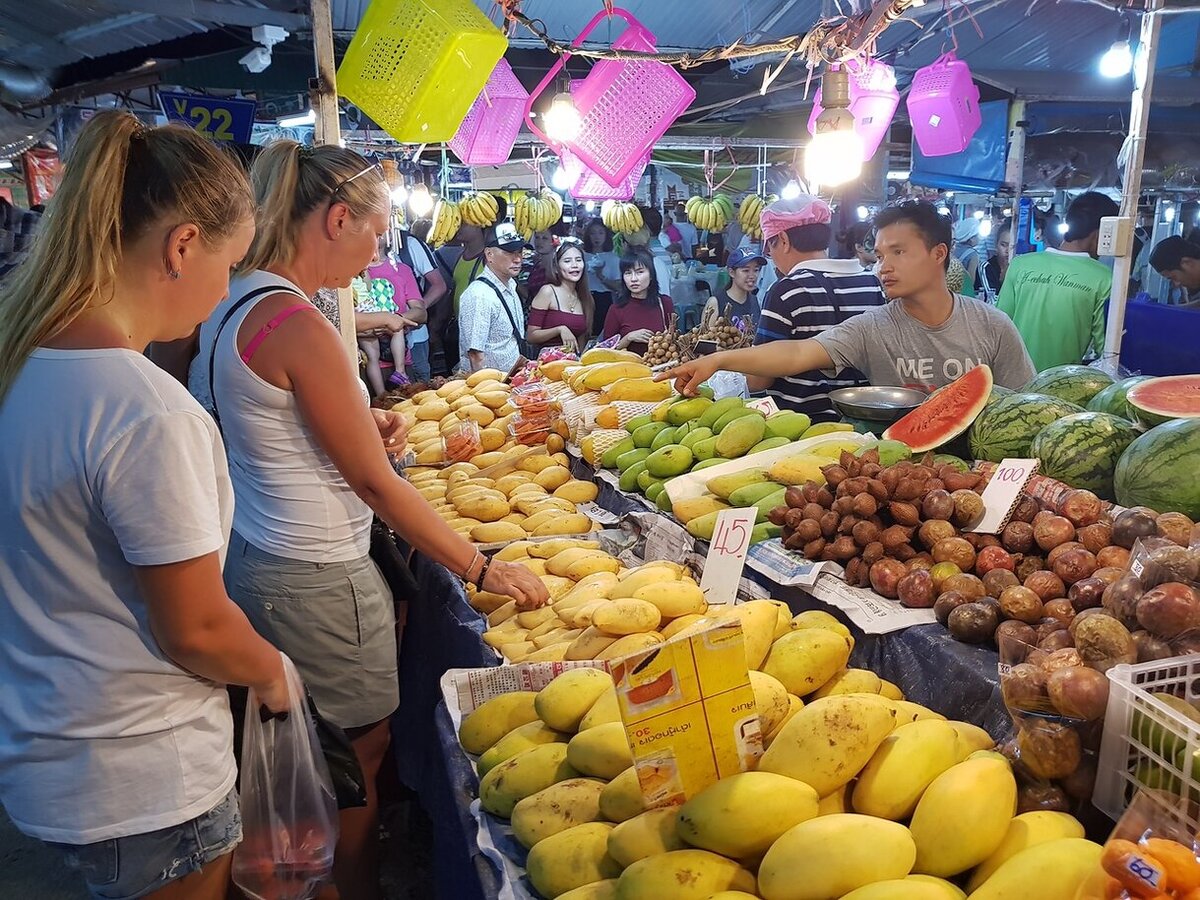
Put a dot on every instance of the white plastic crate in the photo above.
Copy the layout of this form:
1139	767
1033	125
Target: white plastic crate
1149	744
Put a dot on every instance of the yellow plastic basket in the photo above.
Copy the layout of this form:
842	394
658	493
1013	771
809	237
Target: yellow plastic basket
416	66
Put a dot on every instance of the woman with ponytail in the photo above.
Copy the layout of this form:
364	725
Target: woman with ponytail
309	468
116	634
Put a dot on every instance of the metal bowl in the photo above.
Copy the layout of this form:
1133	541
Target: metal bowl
877	404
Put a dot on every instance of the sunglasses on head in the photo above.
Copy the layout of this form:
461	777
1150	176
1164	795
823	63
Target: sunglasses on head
374	167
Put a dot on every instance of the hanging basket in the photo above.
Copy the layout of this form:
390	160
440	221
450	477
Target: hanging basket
873	102
943	105
487	134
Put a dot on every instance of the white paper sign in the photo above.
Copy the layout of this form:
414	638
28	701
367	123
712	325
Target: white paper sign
727	555
767	406
1000	496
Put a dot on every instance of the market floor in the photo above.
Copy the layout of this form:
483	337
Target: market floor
31	871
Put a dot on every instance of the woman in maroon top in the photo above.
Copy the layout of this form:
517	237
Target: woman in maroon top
561	312
639	310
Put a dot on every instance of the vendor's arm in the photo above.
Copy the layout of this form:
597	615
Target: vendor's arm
368	322
416	312
777	359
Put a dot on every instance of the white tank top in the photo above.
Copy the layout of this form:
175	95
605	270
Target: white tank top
290	498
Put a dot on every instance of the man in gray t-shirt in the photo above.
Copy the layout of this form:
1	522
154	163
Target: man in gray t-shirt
924	338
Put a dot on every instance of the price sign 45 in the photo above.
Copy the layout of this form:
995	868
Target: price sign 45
727	555
731	537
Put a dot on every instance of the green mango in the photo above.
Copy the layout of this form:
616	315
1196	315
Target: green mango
725	485
609	458
629	477
890	452
768	443
826	428
751	494
670	461
705	449
733	415
695	436
742	433
664	437
705	391
764	531
663	501
654	490
645	479
684	430
689	409
645	435
764	505
718	409
637	422
637	455
702	526
788	424
708	463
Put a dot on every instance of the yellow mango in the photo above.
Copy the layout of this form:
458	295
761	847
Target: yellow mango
963	816
639	390
563	703
581	617
576	523
485	508
495	718
680	624
535	462
480	415
528	491
480	376
909	888
502	614
557	808
1054	870
557	585
1025	831
829	741
590	565
907	711
771	698
742	815
627	616
496	532
547	549
621	798
604	374
830	856
851	681
516	651
577	491
795	704
515	518
431	456
758	618
630	643
602	751
646	834
522	775
571	859
433	411
682	875
837	802
487	458
553	477
695	507
562	636
491	399
889	690
534	617
644	576
508	633
818	618
559	563
675	598
535	566
505	483
604	710
487	602
522	738
597	586
972	738
906	763
556	652
805	660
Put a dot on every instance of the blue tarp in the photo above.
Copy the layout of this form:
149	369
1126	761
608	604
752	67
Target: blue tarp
979	168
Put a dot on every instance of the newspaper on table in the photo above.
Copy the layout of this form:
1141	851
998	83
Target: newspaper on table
598	513
866	609
787	567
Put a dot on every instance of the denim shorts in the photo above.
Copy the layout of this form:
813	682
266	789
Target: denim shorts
140	864
419	370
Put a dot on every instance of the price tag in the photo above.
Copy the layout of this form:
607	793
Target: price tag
597	513
767	406
727	555
1000	496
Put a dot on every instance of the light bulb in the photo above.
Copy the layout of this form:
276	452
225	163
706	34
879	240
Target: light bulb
791	190
863	212
949	195
1117	61
1169	214
978	214
562	120
420	201
399	194
589	205
560	180
985	227
1008	212
1063	227
835	153
6	164
943	210
304	118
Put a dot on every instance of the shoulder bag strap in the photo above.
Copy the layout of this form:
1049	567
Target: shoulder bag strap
522	343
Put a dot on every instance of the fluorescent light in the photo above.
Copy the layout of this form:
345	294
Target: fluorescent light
305	118
562	120
1169	214
1117	61
6	163
863	212
791	190
898	175
985	227
560	180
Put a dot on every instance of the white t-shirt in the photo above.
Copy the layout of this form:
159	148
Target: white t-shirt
107	463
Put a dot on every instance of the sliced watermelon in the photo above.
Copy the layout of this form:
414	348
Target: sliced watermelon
946	415
1163	399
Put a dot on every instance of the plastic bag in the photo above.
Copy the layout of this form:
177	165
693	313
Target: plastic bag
289	812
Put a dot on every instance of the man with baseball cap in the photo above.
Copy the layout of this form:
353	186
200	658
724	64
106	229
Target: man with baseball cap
741	297
491	321
813	293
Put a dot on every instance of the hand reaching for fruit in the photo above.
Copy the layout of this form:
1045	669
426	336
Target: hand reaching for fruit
517	582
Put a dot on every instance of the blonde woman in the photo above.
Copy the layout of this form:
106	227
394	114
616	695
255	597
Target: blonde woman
116	634
309	468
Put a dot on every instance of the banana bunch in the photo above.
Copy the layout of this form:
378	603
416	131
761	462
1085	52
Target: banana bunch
447	218
750	214
710	214
537	212
620	217
479	208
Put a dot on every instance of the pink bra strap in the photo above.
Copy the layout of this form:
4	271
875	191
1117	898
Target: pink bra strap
265	332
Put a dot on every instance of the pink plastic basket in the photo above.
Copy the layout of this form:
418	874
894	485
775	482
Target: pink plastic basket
487	134
625	105
587	185
873	102
943	105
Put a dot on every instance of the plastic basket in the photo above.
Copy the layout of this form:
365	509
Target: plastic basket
487	134
873	102
943	105
624	105
587	185
1146	743
416	66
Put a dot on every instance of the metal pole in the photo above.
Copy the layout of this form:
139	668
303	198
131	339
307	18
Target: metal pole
1015	170
1139	119
326	130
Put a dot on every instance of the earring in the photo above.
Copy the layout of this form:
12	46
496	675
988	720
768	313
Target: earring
174	275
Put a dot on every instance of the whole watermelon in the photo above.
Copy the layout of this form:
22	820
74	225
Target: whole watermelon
1111	400
1007	427
998	393
1158	469
1082	450
1075	384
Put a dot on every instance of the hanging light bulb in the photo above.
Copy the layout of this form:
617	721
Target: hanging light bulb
834	155
985	227
589	205
562	120
863	212
560	180
978	214
420	201
1117	61
399	194
943	210
1169	214
791	190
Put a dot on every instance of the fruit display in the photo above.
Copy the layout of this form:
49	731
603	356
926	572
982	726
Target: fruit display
946	414
718	328
1075	384
1158	400
860	794
663	346
1083	449
1111	399
479	208
1158	469
447	219
537	212
750	214
710	213
1007	427
621	217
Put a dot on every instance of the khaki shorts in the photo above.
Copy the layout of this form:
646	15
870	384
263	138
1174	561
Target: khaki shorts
335	620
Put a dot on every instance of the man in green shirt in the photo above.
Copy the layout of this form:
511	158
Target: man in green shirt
1057	298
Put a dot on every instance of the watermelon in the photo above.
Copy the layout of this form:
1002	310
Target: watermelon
1111	400
1008	426
945	415
1159	400
1082	450
1158	470
1075	384
998	393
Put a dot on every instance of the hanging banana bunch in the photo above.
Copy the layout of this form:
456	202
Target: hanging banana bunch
710	214
447	219
750	214
537	212
479	208
621	217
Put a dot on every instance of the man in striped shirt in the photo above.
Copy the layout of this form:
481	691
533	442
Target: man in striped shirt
814	293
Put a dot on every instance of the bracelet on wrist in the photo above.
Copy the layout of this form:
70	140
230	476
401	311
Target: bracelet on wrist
487	564
466	575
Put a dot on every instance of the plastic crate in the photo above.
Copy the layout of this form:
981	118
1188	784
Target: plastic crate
587	185
416	66
487	134
624	105
1147	743
943	106
873	102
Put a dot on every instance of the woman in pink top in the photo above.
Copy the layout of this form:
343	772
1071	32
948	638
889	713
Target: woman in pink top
561	312
639	310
